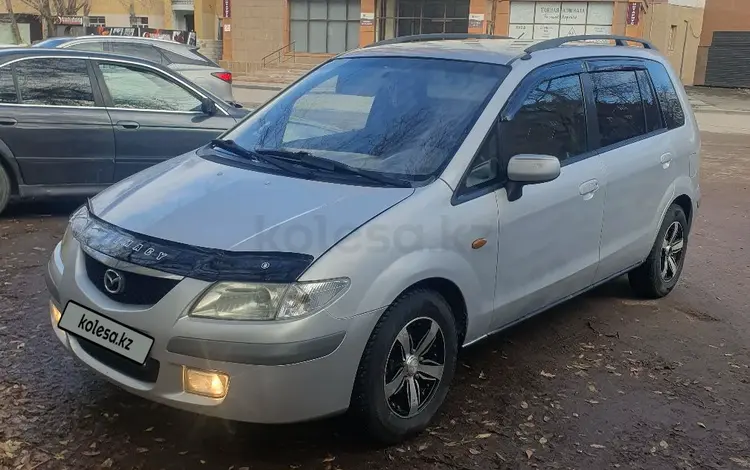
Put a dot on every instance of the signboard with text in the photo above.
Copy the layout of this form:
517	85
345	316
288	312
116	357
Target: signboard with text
634	12
226	8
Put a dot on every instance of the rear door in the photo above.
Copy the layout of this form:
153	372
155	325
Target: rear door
155	116
58	129
638	158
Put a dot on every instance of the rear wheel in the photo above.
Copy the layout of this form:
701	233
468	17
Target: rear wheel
407	367
659	274
5	189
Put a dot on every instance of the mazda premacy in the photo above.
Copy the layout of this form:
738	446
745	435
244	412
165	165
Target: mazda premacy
334	250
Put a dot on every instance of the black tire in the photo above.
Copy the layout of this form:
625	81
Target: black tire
5	189
418	309
648	280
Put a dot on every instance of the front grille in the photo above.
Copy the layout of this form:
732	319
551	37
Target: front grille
147	372
139	289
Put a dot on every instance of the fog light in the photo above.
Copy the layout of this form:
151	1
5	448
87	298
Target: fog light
205	382
54	313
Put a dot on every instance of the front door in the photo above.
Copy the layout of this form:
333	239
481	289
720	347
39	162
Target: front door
548	245
56	128
155	118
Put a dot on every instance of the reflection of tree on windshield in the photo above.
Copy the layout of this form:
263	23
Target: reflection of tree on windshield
405	116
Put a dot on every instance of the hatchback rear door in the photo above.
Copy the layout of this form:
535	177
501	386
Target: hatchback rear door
156	116
58	130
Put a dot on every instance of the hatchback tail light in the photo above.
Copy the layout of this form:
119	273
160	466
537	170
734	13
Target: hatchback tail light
225	76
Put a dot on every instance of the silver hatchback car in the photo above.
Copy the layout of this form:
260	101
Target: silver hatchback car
183	59
335	249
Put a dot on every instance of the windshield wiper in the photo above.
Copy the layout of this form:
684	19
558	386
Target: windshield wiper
327	164
232	147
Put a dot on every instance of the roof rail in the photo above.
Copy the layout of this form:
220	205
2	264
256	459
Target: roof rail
434	37
557	42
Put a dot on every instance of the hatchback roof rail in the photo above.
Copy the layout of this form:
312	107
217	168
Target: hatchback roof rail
557	42
435	37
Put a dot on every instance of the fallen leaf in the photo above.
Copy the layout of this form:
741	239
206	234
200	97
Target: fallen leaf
546	419
546	374
91	453
107	463
149	429
575	415
542	440
741	462
529	453
663	444
183	452
141	450
482	376
423	447
474	452
484	435
329	459
596	446
524	405
93	445
160	439
592	389
701	425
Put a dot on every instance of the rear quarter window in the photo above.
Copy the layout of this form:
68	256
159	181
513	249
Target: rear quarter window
187	58
7	86
671	108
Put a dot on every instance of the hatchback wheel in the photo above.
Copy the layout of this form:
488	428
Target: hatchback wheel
407	367
5	188
659	274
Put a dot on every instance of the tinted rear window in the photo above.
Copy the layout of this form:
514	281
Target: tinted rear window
619	106
187	57
671	109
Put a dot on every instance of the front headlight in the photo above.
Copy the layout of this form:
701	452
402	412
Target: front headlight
251	301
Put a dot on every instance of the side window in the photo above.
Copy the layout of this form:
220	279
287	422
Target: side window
485	166
131	87
55	82
618	106
186	57
650	107
90	46
551	121
142	51
7	87
671	109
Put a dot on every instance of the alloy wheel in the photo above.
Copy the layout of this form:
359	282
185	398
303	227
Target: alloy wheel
414	367
672	250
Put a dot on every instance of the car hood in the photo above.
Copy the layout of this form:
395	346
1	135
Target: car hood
202	203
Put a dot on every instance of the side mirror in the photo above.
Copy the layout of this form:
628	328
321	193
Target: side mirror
208	107
530	169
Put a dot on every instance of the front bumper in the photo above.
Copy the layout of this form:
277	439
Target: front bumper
280	372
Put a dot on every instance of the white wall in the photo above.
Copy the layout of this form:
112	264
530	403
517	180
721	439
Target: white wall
689	3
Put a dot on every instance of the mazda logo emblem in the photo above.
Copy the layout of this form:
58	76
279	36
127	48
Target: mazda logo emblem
114	282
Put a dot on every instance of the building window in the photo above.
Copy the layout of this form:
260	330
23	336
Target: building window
324	26
425	17
140	21
97	21
547	20
672	36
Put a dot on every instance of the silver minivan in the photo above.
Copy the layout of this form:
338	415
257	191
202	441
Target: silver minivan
336	248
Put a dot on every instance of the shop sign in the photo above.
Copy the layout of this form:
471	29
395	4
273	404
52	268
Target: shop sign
546	31
69	20
521	31
634	13
366	19
476	20
226	8
547	12
574	13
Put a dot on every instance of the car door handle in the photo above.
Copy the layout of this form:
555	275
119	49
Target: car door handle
5	121
128	124
588	189
665	160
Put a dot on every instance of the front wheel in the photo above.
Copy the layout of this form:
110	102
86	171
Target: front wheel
5	189
659	274
407	367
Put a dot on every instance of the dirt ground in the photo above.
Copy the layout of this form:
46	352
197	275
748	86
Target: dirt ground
604	381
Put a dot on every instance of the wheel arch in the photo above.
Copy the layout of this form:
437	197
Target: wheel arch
8	162
686	203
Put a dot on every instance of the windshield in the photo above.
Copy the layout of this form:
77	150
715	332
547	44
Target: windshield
400	116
